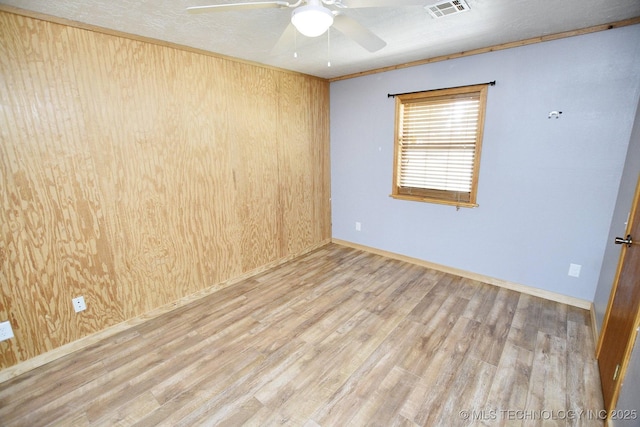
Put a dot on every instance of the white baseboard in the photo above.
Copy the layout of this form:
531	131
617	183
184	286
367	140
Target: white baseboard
529	290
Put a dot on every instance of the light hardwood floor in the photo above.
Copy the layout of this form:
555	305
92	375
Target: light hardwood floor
337	337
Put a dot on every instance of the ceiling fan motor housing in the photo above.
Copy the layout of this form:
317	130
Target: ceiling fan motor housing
312	19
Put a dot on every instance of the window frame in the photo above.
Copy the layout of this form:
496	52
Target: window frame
446	197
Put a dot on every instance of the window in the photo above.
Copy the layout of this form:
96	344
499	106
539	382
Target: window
437	145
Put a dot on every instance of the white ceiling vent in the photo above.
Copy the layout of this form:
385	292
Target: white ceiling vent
445	8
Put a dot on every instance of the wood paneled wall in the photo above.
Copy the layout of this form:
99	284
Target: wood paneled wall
136	174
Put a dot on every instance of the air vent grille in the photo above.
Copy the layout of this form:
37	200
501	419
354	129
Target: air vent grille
447	8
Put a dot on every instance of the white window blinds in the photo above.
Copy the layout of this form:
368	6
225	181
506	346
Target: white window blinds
438	139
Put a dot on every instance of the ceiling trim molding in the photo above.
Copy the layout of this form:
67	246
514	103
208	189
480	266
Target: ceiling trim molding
525	42
102	30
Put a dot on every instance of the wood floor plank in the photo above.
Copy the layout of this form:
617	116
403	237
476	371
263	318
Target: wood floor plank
548	372
336	337
130	412
364	381
495	327
482	302
345	350
382	406
581	370
429	339
442	373
241	415
42	393
526	321
192	402
510	386
469	390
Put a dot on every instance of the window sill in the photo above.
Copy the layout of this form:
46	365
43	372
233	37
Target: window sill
431	200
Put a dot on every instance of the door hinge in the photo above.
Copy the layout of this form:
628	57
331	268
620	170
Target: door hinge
615	374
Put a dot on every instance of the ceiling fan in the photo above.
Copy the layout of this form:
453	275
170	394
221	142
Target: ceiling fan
312	18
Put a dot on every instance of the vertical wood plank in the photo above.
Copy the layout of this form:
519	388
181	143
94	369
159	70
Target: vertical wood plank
305	134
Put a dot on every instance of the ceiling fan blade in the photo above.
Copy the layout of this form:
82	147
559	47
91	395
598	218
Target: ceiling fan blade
356	31
286	42
382	3
238	6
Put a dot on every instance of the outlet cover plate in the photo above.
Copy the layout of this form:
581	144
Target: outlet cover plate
574	270
78	304
5	331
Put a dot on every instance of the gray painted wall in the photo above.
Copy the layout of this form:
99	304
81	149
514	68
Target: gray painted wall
547	187
630	392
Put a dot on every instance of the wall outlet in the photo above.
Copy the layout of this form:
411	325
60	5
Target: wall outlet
78	304
5	331
574	270
358	226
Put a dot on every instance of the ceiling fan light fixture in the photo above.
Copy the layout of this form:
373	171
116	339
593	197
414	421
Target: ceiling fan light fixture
312	20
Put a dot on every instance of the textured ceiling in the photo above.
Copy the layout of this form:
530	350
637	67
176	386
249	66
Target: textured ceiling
410	32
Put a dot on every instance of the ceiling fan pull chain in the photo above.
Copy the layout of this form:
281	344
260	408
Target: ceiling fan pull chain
328	47
295	44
